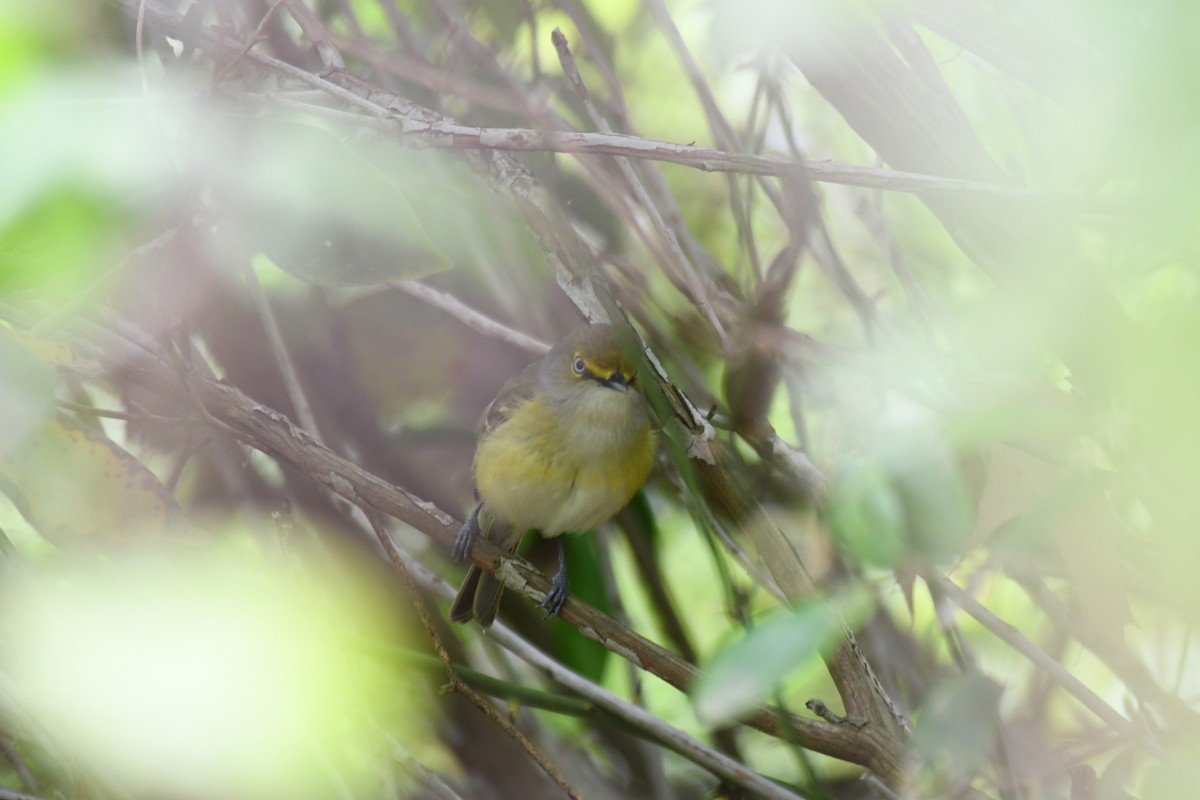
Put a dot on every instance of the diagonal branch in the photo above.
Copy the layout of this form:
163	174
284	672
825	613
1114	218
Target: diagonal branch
273	433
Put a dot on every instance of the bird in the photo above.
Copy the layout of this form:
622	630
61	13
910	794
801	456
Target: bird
564	446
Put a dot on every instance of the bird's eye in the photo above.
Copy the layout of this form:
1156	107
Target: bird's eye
578	365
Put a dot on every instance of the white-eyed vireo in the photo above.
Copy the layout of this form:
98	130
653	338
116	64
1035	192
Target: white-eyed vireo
564	446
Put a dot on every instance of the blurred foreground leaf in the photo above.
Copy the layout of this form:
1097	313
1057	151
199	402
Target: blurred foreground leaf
212	674
866	516
26	389
71	198
325	215
1176	776
79	489
464	219
748	671
958	727
902	494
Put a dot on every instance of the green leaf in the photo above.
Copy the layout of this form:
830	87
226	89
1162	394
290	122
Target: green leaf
78	489
1177	775
905	495
866	516
462	217
939	511
747	672
27	386
325	215
77	172
958	726
55	240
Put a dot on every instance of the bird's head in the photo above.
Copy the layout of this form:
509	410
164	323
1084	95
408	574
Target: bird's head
589	357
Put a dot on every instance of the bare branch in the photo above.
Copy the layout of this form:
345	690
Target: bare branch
271	432
678	741
1019	642
315	30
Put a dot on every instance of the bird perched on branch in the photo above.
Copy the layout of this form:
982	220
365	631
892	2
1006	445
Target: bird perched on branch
565	445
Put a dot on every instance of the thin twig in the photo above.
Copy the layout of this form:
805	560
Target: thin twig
424	128
316	32
254	39
6	746
724	135
1017	640
127	416
428	778
139	48
470	317
870	211
1140	680
9	794
283	359
698	290
655	728
442	81
188	450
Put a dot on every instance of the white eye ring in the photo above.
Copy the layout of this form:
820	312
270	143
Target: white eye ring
578	365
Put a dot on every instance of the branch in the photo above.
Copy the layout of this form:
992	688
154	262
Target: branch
316	32
1019	642
643	721
456	683
273	433
877	746
421	127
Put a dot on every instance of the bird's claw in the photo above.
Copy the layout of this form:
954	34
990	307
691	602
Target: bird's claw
556	598
466	537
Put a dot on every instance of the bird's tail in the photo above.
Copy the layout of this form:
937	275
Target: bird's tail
479	596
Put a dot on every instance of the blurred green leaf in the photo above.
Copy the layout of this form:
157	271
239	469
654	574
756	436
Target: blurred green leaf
866	516
1177	775
905	494
747	672
185	669
26	390
958	726
79	166
939	514
462	217
324	214
77	488
22	46
43	149
55	240
505	17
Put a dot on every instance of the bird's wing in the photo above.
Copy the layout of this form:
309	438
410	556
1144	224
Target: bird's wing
519	389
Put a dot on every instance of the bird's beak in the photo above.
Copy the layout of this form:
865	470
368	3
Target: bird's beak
616	381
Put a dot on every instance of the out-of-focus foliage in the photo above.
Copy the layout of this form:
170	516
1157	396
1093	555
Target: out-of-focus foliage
746	672
79	489
998	388
323	214
27	396
180	672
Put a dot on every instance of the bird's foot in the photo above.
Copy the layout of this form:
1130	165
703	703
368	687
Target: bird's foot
556	598
466	537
